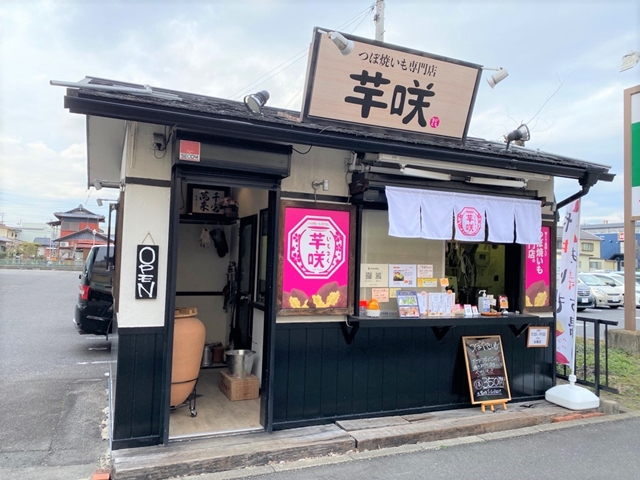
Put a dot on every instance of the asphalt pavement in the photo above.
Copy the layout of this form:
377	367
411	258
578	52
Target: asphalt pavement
53	388
593	449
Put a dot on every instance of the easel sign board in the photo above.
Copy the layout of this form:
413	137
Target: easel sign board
486	370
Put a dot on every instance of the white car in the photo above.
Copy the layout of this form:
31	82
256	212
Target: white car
606	295
617	280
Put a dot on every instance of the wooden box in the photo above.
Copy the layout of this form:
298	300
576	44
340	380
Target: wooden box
239	388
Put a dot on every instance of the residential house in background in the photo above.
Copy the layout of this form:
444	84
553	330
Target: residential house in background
8	237
613	242
46	247
590	253
29	232
77	231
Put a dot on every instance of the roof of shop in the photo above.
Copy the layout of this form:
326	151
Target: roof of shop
231	118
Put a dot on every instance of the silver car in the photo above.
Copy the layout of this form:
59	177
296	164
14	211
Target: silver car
606	295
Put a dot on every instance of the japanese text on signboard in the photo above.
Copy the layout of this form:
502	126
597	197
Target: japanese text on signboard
538	271
390	87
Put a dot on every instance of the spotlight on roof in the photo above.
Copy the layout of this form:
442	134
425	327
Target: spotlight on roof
345	46
519	135
497	77
630	60
98	184
256	101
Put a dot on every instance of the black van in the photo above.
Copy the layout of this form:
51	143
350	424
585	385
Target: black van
94	309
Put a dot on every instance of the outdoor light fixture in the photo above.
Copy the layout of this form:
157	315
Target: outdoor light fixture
345	46
463	168
410	172
497	77
497	181
520	134
630	60
100	201
256	101
98	184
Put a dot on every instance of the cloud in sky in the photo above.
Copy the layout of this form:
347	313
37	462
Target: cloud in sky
563	59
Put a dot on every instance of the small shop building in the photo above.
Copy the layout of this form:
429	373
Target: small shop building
336	243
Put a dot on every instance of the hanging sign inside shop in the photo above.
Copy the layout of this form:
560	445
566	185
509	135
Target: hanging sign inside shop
146	272
538	272
316	267
486	370
389	87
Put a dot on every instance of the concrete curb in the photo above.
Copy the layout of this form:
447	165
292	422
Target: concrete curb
411	448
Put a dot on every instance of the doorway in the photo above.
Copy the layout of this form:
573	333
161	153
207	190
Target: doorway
215	273
241	332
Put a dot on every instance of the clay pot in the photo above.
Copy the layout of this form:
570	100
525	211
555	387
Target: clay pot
188	343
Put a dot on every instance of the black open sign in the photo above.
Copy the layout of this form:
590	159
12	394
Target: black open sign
146	272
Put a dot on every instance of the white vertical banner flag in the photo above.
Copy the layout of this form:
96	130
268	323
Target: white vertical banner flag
567	287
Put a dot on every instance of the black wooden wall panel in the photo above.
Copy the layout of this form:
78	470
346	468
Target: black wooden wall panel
320	378
138	398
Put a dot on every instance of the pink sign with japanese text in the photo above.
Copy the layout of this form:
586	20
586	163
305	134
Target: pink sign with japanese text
537	271
316	266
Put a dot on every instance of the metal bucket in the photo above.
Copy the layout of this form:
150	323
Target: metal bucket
207	356
240	362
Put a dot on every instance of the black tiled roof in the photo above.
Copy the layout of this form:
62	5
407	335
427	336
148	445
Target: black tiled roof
211	108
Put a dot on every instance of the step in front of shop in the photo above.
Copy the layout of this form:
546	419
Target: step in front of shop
220	454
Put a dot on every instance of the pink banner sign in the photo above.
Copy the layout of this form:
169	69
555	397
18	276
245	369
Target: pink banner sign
315	259
538	271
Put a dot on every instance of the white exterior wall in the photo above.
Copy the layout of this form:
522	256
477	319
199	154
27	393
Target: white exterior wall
145	221
317	165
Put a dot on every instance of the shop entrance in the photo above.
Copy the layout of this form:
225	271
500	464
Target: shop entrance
217	257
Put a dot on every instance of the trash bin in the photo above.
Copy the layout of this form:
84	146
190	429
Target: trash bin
240	362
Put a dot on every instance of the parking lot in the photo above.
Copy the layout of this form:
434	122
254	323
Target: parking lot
53	383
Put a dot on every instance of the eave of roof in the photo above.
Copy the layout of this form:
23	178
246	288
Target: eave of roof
225	117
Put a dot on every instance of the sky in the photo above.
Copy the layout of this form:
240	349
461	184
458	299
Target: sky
563	59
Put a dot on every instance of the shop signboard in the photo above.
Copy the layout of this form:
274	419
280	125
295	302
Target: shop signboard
486	370
632	141
316	259
384	86
146	272
538	271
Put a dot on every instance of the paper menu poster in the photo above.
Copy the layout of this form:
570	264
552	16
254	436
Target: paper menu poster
427	282
440	304
392	292
402	276
380	294
374	275
423	303
425	271
407	304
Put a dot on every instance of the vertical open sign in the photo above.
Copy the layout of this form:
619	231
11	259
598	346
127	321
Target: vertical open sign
147	272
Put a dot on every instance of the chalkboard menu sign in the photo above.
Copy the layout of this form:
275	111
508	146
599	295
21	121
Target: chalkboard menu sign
486	370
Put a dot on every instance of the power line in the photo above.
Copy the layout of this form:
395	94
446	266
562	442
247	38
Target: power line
304	52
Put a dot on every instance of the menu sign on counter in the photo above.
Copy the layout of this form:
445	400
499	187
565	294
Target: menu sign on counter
486	371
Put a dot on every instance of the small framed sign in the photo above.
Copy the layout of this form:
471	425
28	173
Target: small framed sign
538	337
205	200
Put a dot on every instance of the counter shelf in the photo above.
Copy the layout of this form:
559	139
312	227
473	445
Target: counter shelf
517	323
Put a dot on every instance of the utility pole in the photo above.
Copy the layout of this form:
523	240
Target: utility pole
1	218
379	19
